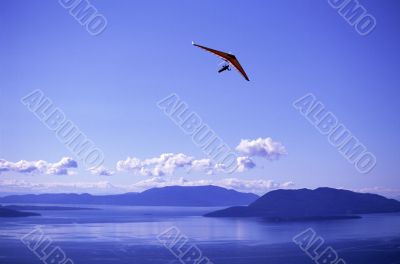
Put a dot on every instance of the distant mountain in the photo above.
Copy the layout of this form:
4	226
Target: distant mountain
6	212
321	203
166	196
45	208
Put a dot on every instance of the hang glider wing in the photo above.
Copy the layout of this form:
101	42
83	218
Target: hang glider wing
227	57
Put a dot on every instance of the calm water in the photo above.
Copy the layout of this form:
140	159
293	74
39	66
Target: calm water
124	225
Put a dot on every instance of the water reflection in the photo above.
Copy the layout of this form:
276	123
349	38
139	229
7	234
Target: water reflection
143	224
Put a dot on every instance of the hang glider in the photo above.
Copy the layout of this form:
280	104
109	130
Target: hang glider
229	60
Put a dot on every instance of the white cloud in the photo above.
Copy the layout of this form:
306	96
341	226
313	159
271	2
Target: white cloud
261	147
205	165
256	186
59	168
166	163
244	163
202	164
101	171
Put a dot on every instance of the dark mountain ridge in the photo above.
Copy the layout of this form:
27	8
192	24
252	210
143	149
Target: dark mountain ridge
321	203
7	212
166	196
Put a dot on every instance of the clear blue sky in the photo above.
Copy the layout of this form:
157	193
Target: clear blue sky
109	84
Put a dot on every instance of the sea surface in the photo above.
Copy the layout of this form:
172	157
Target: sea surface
128	234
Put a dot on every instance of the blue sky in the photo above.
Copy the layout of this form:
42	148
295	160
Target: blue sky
109	84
